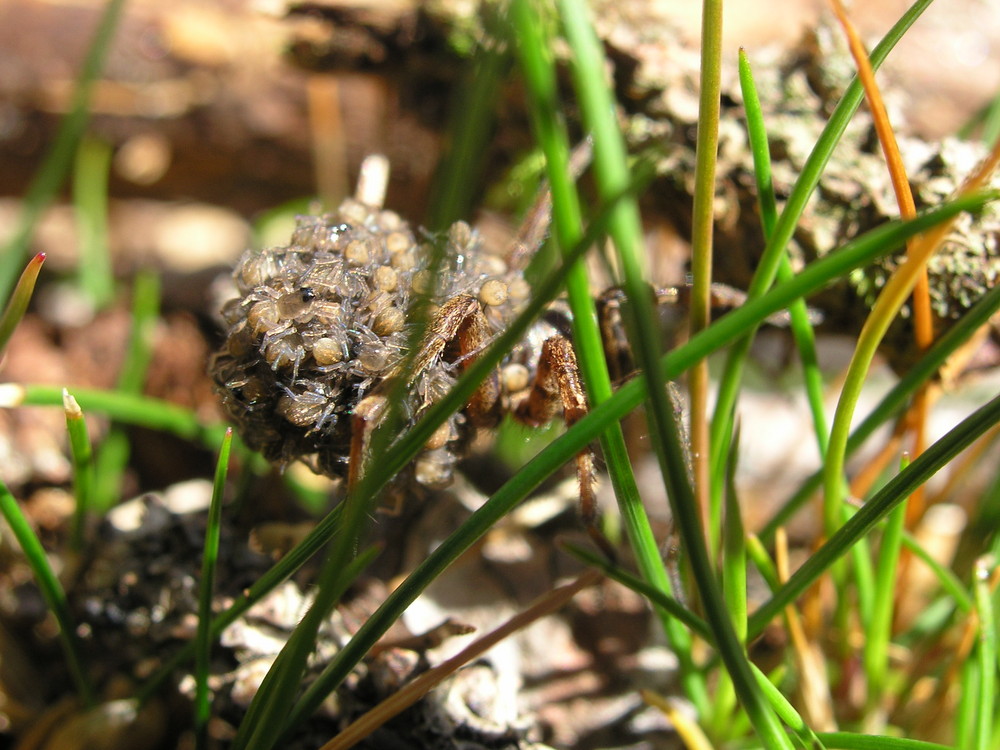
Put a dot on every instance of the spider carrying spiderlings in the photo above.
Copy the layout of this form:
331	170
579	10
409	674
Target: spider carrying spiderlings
320	333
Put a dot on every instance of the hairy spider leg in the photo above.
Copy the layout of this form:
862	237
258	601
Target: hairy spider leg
457	332
364	418
558	383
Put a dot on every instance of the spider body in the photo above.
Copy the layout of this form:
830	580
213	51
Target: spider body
320	332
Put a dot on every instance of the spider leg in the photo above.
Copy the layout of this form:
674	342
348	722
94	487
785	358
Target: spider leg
364	419
535	227
558	383
457	332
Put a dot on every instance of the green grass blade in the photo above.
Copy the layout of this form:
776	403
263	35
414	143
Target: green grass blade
894	401
264	719
987	654
534	50
786	711
784	228
763	562
90	196
734	589
145	313
879	629
597	108
950	583
655	595
18	303
473	111
734	553
967	710
113	453
702	228
849	741
203	635
52	592
53	170
125	408
81	457
893	493
801	325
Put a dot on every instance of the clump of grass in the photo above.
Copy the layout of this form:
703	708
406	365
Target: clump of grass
708	623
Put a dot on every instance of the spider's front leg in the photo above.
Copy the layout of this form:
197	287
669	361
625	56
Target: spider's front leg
558	383
456	333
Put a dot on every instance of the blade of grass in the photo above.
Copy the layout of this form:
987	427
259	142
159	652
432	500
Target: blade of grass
785	226
471	123
786	711
895	400
801	325
986	120
203	635
967	710
81	457
51	173
734	567
763	562
702	224
90	196
52	592
987	653
879	630
886	306
849	741
922	323
948	580
893	493
263	723
19	299
610	167
734	589
538	66
656	596
112	455
125	408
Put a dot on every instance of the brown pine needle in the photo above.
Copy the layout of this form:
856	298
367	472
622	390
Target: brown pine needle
814	682
690	733
418	688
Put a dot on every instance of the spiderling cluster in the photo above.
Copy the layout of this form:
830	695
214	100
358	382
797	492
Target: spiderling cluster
324	323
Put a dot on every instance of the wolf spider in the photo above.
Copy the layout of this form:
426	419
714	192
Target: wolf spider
321	333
